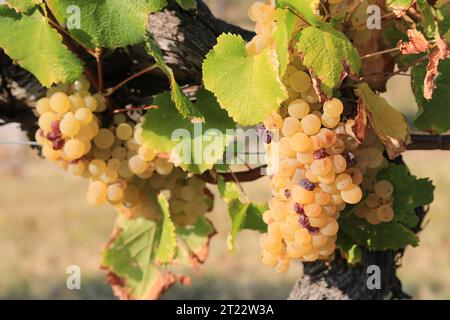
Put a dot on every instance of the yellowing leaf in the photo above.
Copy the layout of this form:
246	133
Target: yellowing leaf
248	87
330	57
389	124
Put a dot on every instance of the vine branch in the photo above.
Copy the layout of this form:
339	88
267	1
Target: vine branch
112	90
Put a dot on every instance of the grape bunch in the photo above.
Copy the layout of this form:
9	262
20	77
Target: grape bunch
317	166
378	205
121	170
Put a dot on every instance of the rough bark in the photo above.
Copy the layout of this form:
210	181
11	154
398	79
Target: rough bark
185	37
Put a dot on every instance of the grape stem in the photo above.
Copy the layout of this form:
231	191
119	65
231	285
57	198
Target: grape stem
370	55
244	176
134	109
98	59
238	182
66	34
112	90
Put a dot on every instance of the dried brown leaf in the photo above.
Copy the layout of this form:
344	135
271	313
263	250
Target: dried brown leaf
439	53
416	44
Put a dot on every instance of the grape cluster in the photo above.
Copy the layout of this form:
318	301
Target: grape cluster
378	205
317	166
122	171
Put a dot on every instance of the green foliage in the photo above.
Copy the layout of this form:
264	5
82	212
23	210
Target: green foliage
351	251
187	4
307	9
399	4
244	216
22	5
161	123
248	87
427	18
385	236
108	23
283	35
329	55
193	243
409	193
433	114
182	102
137	248
167	239
29	40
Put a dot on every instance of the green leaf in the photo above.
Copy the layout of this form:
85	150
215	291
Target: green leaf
167	241
22	5
193	243
199	148
283	35
389	124
248	87
229	191
409	193
182	102
428	20
399	4
433	114
135	249
187	4
384	236
29	40
128	256
247	216
307	9
329	55
244	216
350	250
107	23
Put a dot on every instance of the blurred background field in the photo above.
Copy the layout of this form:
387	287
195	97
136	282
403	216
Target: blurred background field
46	225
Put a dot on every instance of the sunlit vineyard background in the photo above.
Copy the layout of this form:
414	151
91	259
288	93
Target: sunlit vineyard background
46	225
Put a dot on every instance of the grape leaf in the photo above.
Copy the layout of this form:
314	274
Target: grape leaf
107	23
228	191
409	193
385	236
351	251
134	251
389	124
201	145
187	4
29	40
244	216
307	9
248	87
329	56
167	239
193	243
399	4
427	18
283	35
22	5
182	102
433	114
